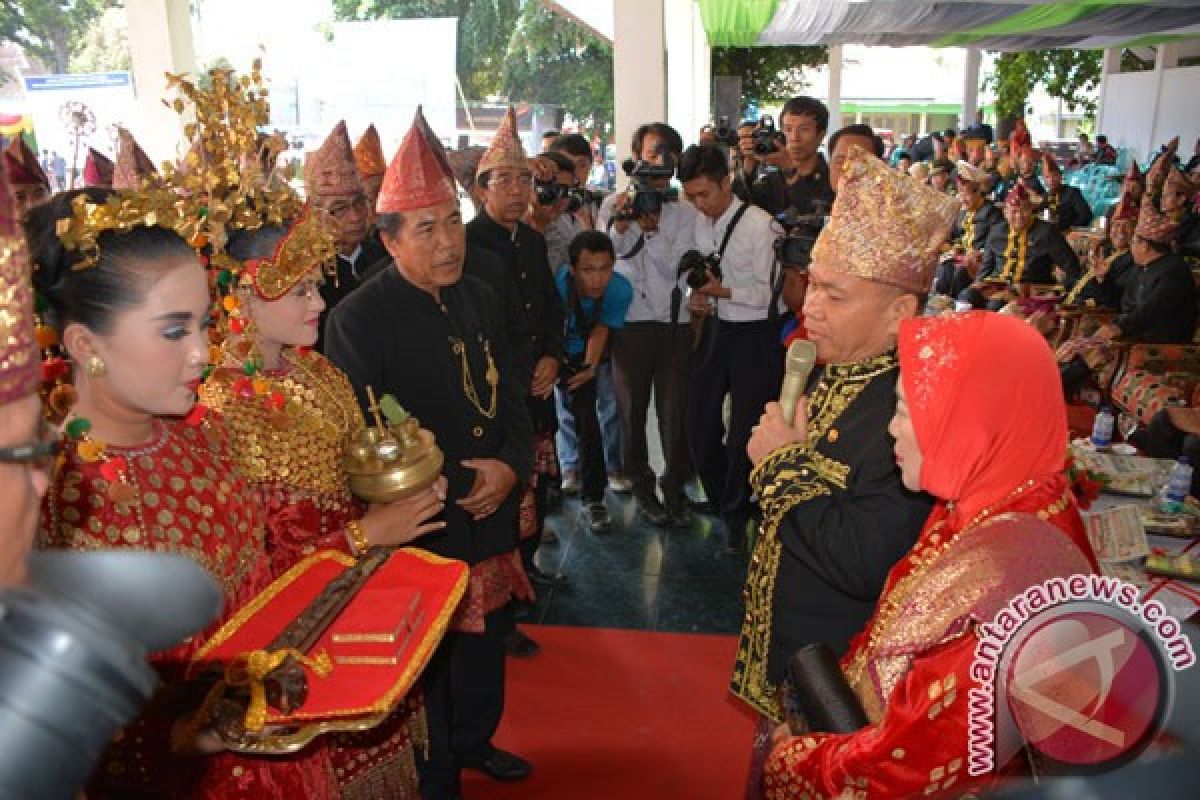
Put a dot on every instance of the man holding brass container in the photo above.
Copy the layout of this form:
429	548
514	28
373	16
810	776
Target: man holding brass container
435	340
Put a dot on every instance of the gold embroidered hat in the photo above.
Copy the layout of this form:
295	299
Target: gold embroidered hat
885	227
98	170
309	243
20	365
506	149
1155	224
132	165
329	171
368	154
417	176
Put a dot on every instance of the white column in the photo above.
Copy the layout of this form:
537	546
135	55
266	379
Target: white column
689	69
834	101
160	41
639	70
1110	65
970	87
1160	64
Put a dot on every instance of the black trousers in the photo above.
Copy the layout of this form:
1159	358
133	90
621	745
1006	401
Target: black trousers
591	444
745	361
653	356
464	700
1161	439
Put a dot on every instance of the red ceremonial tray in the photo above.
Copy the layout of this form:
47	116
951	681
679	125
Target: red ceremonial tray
350	696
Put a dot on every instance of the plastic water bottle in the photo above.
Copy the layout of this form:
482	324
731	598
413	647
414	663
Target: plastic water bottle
1102	429
1178	485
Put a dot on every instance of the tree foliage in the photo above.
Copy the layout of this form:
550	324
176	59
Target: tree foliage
769	74
552	59
1067	75
50	30
104	46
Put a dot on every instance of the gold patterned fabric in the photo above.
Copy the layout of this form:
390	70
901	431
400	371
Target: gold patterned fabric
885	227
301	445
132	165
330	171
19	363
785	479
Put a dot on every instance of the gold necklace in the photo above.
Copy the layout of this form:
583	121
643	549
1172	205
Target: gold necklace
492	376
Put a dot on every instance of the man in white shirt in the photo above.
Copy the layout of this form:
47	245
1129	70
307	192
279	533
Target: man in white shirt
739	354
651	352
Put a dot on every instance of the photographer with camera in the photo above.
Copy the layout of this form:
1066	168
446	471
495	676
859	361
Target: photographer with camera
730	274
584	203
800	176
595	301
651	352
553	180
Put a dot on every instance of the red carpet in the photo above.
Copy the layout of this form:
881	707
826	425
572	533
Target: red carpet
633	715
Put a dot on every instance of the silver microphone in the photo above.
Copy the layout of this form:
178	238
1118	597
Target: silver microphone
801	356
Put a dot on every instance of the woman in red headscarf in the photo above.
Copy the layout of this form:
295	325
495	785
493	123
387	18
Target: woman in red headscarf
964	433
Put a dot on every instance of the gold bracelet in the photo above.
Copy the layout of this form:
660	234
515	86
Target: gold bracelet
358	538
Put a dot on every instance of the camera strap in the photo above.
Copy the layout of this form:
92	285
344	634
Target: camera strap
677	292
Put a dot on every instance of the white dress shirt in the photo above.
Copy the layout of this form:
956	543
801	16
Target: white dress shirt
747	263
654	268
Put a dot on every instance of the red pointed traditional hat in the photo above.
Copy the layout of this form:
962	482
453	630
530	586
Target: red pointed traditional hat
1134	174
418	176
20	366
329	171
1049	164
506	149
98	169
1018	196
22	165
133	165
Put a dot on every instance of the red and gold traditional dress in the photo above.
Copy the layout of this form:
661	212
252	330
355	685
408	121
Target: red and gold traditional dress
984	396
292	456
187	498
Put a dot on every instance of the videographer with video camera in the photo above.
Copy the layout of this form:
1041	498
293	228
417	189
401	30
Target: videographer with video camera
800	178
739	354
651	352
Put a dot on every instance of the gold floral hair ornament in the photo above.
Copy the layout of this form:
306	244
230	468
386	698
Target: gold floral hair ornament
308	243
121	212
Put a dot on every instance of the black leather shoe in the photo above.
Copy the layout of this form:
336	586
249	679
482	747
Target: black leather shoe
546	580
652	512
502	765
518	645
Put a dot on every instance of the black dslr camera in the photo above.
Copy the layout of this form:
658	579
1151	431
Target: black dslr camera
581	196
767	138
697	267
794	248
724	133
550	192
644	197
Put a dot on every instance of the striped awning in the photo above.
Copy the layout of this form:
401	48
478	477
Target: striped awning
988	24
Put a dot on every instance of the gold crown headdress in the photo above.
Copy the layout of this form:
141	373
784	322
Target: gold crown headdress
122	211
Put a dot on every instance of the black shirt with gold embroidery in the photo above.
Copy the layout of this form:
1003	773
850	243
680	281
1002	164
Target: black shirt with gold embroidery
836	518
399	340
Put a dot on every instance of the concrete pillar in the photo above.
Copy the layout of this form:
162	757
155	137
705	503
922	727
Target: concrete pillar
1161	55
689	69
1110	65
970	87
835	87
639	71
160	41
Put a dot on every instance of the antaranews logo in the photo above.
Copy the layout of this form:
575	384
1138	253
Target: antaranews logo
1076	669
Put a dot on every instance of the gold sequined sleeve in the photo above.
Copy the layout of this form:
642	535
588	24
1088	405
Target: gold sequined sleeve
793	474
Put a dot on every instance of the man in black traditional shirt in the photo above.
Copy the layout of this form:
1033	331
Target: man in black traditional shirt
333	184
836	516
435	339
1068	209
504	179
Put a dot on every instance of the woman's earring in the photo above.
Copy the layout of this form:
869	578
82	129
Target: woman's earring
95	367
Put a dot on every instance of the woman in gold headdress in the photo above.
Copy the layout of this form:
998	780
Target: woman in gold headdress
126	300
289	413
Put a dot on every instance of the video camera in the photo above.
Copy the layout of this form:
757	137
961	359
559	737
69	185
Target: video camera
698	267
724	133
794	248
644	197
550	192
581	196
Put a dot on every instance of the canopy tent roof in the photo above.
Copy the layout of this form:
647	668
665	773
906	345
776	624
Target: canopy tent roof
987	24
